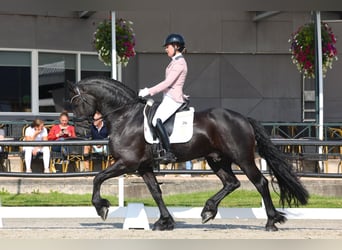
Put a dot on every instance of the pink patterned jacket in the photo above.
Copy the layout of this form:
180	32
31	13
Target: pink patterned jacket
175	75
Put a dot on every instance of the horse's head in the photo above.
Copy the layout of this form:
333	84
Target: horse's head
98	94
83	107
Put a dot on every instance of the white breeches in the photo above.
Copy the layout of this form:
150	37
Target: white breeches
166	108
28	156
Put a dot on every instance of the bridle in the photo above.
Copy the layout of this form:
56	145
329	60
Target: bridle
77	95
90	118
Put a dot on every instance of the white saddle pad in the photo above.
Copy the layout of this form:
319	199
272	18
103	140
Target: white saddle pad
182	129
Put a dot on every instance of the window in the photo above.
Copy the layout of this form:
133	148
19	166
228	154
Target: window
92	66
54	71
15	81
41	87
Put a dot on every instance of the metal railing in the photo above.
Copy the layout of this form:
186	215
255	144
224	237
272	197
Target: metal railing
14	128
71	142
287	130
293	150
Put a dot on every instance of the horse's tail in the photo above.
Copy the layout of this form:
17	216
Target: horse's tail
291	189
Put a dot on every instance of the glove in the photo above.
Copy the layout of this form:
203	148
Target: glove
143	92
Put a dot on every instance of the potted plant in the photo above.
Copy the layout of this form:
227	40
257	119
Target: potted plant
303	49
125	41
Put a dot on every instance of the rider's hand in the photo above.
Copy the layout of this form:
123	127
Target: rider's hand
143	92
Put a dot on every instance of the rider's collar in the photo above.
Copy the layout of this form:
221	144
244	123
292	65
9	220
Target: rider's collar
179	55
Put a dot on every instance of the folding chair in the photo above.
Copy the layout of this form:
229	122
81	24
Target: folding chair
74	155
310	157
101	156
56	160
5	164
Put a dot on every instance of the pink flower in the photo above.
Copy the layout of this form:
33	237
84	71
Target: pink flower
303	48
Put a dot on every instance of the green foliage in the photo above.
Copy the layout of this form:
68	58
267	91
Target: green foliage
103	42
239	198
48	199
3	191
125	41
303	49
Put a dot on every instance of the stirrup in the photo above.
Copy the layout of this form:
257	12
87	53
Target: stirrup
167	157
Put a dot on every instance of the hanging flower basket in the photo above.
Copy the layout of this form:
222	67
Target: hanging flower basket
125	41
303	49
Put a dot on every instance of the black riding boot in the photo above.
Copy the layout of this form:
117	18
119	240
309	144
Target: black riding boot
168	156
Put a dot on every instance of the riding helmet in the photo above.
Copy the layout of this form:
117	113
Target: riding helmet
175	39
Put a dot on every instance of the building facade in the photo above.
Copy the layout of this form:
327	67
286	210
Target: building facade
238	60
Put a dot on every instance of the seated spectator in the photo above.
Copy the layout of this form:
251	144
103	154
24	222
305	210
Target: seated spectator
36	132
98	131
61	131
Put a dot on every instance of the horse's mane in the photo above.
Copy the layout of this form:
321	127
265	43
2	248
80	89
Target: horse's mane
107	87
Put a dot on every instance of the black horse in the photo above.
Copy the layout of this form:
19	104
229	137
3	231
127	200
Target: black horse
221	136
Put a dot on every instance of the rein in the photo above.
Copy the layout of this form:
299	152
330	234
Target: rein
114	110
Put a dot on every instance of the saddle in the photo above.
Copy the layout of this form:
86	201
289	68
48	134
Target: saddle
184	116
169	123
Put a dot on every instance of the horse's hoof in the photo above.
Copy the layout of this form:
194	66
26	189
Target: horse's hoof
104	213
207	216
158	227
166	224
272	228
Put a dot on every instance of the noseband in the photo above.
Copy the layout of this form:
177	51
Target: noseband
82	118
77	95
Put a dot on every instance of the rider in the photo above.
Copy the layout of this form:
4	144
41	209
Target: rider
172	88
